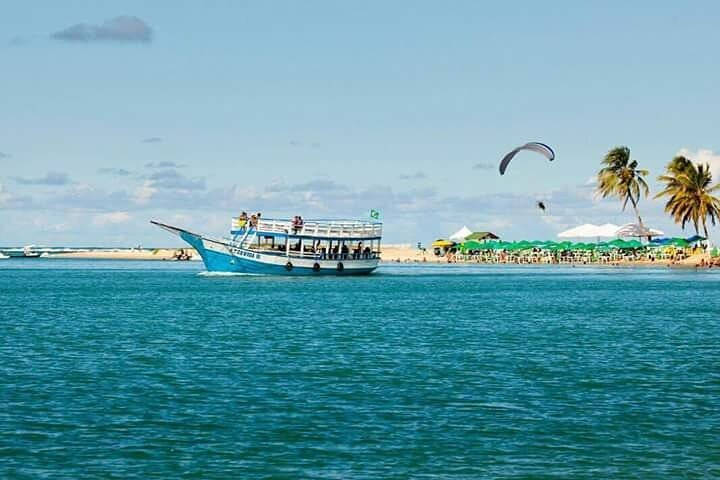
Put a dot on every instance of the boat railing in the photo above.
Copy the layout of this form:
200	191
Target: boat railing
316	228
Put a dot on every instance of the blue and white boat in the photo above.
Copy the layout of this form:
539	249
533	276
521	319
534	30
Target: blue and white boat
316	247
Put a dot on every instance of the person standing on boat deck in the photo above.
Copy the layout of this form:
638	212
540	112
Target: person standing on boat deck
242	220
344	251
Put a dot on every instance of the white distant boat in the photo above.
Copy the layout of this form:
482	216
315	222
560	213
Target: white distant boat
29	252
3	256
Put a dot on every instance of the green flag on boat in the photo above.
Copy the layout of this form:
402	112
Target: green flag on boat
374	214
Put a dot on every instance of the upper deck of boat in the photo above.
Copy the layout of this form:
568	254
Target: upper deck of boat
316	229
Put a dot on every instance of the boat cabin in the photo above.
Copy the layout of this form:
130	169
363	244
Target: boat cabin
344	240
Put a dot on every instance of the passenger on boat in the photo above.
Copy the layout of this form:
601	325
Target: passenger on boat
242	220
335	251
357	252
366	252
254	220
323	253
344	250
297	224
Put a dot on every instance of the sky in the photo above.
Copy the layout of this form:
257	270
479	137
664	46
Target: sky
115	113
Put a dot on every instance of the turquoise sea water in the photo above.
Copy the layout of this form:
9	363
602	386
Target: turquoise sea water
150	370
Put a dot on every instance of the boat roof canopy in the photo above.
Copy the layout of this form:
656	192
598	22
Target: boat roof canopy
314	229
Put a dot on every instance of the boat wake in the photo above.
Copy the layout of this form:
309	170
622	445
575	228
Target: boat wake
227	274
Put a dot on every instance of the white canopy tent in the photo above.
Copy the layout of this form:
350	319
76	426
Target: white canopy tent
588	230
461	234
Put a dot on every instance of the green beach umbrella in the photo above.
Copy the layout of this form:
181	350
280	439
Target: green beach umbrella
678	242
471	245
624	244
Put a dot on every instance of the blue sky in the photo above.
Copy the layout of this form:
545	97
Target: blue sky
189	112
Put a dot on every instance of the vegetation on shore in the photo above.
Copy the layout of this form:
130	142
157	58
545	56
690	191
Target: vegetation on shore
688	186
620	177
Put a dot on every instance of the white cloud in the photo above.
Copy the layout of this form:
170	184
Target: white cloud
111	218
119	29
10	200
142	194
704	155
50	178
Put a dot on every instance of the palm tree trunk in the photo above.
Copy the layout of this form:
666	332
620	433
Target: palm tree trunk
637	212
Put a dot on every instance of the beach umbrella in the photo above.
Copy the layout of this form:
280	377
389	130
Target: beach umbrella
485	245
442	243
604	247
633	244
607	230
588	230
659	241
617	243
636	230
678	242
492	245
695	238
511	246
471	245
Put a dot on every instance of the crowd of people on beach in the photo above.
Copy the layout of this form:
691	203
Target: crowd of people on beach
672	256
182	254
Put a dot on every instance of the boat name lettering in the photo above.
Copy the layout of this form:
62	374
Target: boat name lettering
243	253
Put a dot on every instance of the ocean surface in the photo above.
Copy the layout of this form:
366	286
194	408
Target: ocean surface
136	370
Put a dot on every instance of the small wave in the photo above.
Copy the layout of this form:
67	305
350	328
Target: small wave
226	274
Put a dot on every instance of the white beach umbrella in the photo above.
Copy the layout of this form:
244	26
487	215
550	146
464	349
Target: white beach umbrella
607	230
461	234
586	230
635	230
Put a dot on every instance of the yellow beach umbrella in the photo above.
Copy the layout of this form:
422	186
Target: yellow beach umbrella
442	243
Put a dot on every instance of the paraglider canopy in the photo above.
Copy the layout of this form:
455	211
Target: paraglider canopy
537	147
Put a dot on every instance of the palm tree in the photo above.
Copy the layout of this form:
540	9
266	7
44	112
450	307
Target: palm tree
690	191
621	178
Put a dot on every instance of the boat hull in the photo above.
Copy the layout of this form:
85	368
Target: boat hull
220	257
